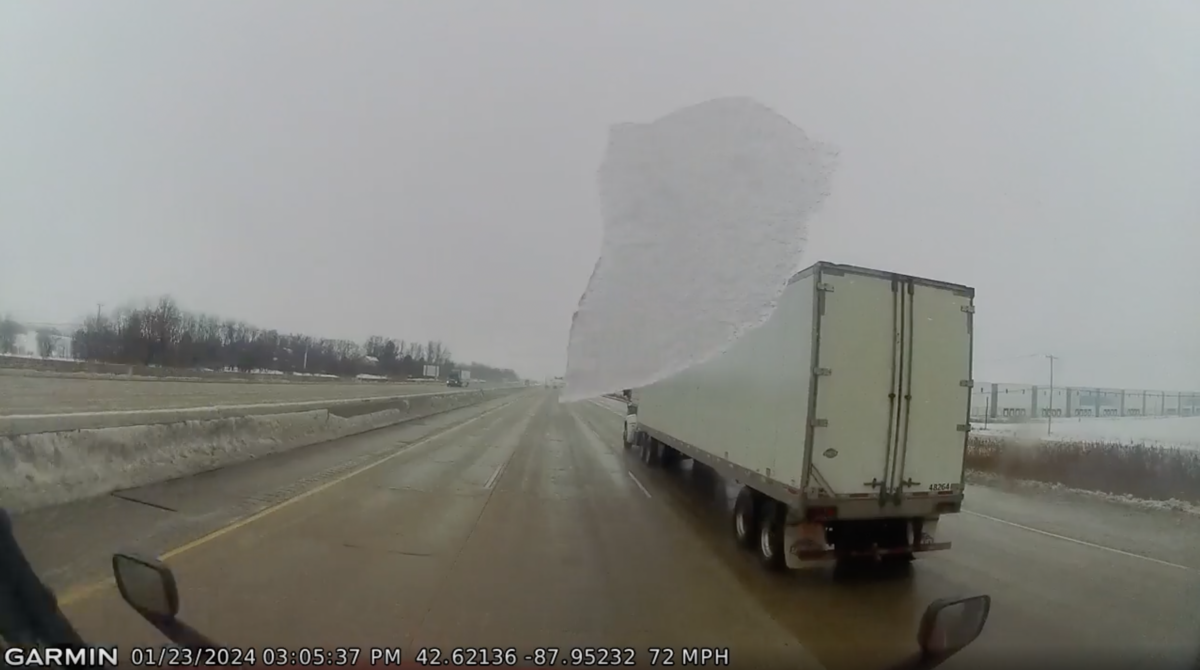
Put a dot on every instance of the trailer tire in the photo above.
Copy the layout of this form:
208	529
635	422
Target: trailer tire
745	519
770	535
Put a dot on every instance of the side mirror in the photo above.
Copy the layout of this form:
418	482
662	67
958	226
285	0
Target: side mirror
950	624
148	585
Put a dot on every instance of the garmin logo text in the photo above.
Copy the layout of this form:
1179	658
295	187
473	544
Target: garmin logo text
57	657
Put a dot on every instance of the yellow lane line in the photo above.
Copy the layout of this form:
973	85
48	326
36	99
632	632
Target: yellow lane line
81	593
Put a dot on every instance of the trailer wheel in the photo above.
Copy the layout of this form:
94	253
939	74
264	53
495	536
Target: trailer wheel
745	518
770	536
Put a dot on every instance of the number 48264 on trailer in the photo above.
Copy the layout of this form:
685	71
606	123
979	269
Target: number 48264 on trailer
845	417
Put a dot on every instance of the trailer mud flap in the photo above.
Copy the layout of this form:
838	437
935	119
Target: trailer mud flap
806	545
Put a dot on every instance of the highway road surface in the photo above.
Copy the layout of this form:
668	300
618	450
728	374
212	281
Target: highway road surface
20	394
522	523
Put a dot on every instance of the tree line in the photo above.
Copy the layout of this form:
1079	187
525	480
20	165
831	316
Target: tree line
165	335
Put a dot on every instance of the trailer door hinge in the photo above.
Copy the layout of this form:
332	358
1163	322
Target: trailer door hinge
825	286
963	427
967	383
820	423
969	309
822	372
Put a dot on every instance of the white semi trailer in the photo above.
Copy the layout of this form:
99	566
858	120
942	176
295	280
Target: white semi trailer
844	417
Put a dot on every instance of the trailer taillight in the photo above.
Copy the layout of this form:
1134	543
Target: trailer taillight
821	513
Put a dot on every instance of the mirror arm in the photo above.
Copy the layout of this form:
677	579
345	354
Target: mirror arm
921	661
187	636
913	662
180	633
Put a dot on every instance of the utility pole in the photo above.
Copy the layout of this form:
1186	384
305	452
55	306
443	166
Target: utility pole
1050	409
99	307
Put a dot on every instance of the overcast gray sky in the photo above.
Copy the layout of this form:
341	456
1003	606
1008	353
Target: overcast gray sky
428	169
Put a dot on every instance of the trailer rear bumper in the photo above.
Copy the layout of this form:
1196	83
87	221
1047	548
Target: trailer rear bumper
876	552
817	545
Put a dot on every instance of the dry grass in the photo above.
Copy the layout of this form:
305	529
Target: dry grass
1142	471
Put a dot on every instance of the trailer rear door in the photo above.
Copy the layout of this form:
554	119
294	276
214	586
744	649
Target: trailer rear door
853	371
933	444
892	385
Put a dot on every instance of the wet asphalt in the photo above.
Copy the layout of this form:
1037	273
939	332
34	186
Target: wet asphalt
522	523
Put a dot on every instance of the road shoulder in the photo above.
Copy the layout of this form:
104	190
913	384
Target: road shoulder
70	545
1158	534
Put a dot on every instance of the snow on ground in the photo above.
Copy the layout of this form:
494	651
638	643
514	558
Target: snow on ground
705	213
35	357
1181	432
998	482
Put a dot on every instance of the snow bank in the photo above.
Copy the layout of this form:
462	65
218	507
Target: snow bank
1180	432
705	217
997	482
46	468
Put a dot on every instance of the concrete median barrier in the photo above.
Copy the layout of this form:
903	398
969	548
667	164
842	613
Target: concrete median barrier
52	459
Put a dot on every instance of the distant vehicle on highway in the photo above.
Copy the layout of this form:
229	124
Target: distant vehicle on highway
828	475
459	378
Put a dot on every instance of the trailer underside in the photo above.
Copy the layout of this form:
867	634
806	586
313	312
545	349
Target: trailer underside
788	531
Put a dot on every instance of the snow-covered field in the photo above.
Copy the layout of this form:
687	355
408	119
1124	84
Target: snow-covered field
1180	432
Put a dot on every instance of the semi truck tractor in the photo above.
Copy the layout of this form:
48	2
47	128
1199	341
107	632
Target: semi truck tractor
844	418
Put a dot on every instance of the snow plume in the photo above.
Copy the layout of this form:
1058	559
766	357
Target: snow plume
705	218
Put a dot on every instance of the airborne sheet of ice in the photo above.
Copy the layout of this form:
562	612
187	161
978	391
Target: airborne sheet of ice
705	218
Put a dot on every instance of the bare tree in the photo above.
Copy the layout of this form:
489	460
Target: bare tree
10	330
162	333
46	339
